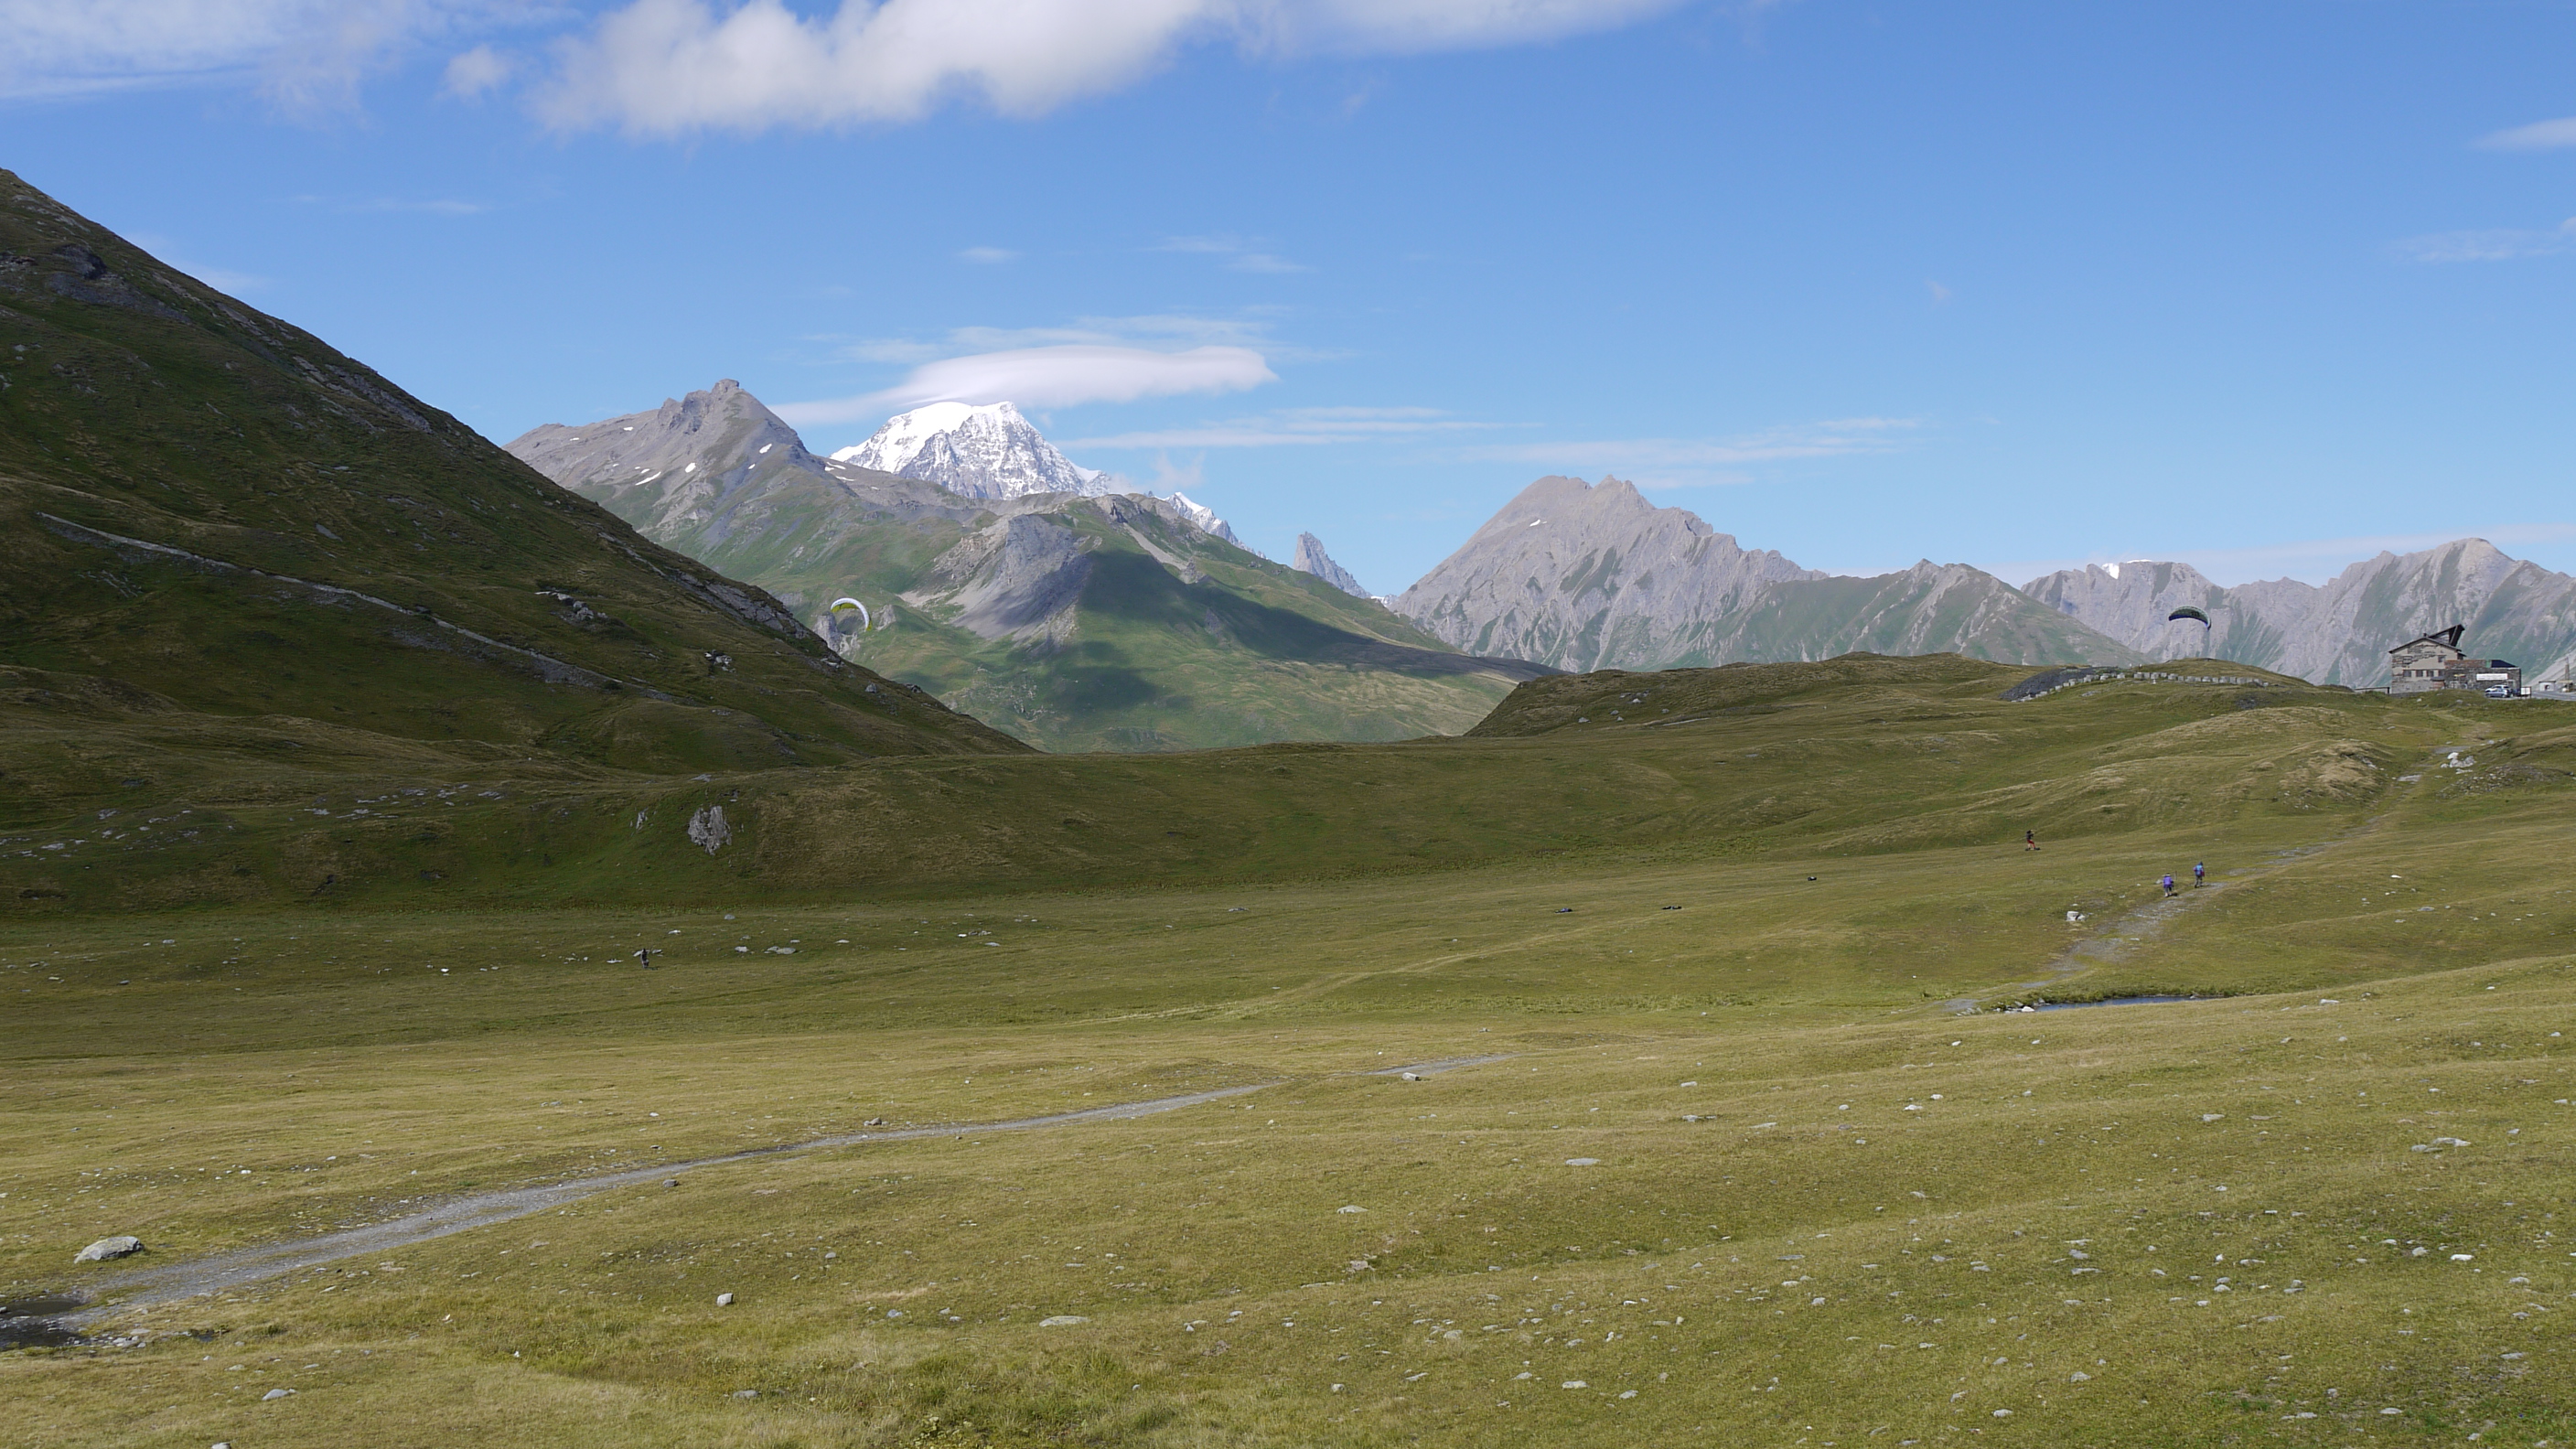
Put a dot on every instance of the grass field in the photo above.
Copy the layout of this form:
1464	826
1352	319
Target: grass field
1724	1166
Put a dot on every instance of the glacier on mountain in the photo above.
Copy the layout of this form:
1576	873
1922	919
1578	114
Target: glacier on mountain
977	452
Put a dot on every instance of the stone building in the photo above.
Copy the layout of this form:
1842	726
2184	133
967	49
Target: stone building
2436	661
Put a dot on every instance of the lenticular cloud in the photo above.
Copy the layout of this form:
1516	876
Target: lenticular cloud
1051	377
665	67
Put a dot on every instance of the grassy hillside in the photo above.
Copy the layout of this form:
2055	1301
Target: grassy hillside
1722	1163
210	515
1848	757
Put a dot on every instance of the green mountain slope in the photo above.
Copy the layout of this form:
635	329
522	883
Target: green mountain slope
1112	623
219	526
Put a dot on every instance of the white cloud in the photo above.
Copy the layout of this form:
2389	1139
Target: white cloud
669	67
2502	244
1683	462
1059	376
988	256
478	71
306	54
2538	136
1160	331
1294	427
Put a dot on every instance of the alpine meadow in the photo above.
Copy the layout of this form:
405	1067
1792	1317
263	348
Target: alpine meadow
678	931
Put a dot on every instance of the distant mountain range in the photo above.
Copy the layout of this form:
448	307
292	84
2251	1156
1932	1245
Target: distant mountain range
1570	575
1583	576
1075	620
2338	632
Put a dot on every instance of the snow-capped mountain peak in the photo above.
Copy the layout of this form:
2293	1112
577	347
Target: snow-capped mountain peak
978	452
1205	517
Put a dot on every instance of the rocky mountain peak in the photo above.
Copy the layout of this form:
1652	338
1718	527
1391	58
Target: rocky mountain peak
1591	576
1311	559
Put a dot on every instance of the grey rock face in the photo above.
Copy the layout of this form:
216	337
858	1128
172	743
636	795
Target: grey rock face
2339	632
1311	559
1020	577
708	830
1594	577
976	452
109	1248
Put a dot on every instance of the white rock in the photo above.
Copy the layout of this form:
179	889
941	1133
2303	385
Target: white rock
1583	1162
106	1248
709	830
1350	1208
275	1394
1574	1384
1062	1320
724	1300
746	1393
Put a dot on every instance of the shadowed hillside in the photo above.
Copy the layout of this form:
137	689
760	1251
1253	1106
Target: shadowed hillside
230	546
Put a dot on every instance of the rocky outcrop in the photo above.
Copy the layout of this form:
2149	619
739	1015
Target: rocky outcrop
1019	578
1311	559
1588	577
2338	632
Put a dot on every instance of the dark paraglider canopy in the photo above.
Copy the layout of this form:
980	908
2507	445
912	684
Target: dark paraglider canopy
2188	612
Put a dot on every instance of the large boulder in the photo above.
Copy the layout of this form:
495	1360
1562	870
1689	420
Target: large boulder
106	1248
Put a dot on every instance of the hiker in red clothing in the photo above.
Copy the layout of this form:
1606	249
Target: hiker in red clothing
2030	840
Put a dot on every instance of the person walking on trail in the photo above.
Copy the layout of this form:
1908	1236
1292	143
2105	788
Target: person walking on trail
2199	875
2169	885
2030	840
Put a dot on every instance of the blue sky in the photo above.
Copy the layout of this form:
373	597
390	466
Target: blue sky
2263	286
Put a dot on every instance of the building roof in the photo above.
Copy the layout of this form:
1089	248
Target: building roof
2447	638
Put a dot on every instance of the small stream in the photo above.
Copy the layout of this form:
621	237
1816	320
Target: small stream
2038	1006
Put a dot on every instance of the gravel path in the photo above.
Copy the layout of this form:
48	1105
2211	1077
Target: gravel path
196	1277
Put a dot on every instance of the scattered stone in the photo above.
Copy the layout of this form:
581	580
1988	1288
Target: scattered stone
107	1248
1583	1162
1410	1076
2079	1377
1062	1320
746	1393
724	1300
1350	1208
1574	1384
275	1394
670	1182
